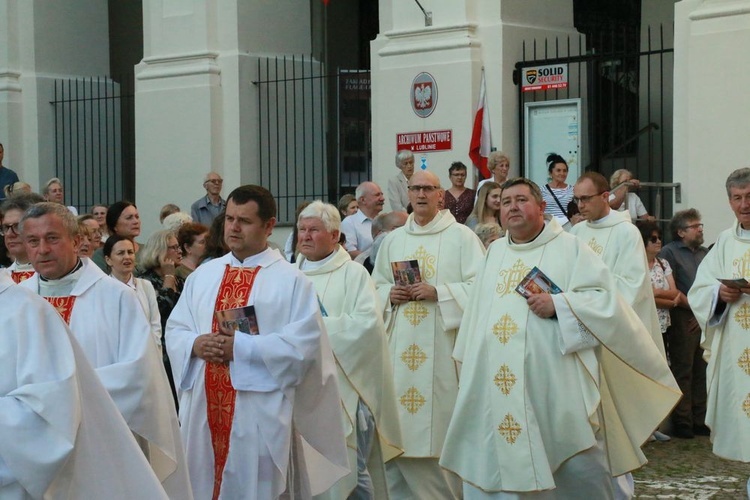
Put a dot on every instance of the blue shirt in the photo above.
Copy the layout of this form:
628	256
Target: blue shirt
7	177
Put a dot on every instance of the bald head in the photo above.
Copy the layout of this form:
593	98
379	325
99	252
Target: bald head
385	223
425	196
424	177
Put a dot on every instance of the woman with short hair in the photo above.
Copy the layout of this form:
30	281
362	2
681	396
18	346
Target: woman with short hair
192	240
458	198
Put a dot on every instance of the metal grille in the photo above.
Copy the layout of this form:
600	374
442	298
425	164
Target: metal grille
94	140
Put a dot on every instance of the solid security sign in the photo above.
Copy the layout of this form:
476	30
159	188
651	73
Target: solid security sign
545	77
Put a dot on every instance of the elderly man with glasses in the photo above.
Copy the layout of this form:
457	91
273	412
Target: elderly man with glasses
208	207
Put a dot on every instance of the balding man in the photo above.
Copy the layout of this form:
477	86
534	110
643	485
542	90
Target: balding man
381	226
422	321
108	321
208	207
358	227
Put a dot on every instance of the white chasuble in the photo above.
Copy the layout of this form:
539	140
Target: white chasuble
726	340
619	244
357	334
109	324
421	334
527	400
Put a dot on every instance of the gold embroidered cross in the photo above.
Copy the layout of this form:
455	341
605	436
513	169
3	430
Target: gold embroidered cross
412	400
426	262
415	312
510	429
742	316
505	328
413	357
746	406
511	277
742	265
744	361
505	379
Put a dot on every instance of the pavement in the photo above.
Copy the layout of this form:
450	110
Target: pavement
687	469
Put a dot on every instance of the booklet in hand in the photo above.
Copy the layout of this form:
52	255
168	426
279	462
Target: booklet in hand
739	283
406	272
537	282
241	319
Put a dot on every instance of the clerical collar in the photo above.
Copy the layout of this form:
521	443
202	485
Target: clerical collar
79	265
532	239
743	233
17	266
250	261
604	219
308	265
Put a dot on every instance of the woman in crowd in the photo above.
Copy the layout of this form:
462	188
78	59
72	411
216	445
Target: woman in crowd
488	232
487	208
557	194
622	199
192	240
348	205
158	263
666	294
122	220
119	254
215	246
100	216
53	191
458	198
498	164
95	234
85	247
16	188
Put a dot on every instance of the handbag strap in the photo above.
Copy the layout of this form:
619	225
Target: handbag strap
565	213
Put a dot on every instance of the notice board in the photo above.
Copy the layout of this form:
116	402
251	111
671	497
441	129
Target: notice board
552	127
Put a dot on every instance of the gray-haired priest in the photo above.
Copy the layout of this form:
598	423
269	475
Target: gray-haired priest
558	391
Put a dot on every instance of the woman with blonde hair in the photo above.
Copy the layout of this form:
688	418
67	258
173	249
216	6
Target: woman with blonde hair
487	207
498	163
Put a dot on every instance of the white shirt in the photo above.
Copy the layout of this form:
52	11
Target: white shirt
358	231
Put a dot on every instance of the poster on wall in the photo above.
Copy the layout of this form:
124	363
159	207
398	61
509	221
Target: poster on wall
552	127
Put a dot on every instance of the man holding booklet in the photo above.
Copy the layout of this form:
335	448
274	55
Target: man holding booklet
423	310
557	390
723	312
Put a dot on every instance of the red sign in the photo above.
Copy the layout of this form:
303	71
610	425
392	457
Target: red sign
425	142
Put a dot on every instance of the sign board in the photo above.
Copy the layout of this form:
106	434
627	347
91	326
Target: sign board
545	78
552	127
424	95
425	142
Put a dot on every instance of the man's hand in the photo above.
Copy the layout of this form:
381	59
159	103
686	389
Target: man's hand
424	291
541	304
226	337
210	347
400	294
729	295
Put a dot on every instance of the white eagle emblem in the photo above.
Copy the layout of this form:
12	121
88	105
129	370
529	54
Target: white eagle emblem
423	95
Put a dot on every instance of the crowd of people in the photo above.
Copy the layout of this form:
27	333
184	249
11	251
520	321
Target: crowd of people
512	341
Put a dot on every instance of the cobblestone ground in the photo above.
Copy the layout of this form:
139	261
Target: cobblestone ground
686	469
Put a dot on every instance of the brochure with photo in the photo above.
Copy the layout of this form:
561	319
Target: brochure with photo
738	283
406	272
241	319
537	282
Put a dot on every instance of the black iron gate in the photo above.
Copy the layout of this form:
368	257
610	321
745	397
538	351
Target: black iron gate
95	140
624	81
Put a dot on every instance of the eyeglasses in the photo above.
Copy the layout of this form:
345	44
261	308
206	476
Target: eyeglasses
426	189
586	199
9	228
214	181
694	226
176	248
654	239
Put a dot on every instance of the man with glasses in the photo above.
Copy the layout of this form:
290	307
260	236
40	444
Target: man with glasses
722	312
207	208
11	211
683	338
422	319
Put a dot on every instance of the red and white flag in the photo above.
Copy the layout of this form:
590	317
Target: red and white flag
481	141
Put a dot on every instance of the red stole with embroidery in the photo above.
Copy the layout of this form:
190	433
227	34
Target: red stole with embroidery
63	305
234	291
19	276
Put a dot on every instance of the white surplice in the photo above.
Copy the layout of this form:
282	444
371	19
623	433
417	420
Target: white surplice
533	392
421	334
618	242
285	379
726	340
357	334
109	323
61	435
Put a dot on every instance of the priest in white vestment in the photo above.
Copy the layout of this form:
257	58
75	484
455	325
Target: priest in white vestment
557	392
61	436
108	322
421	323
353	320
614	238
260	411
723	313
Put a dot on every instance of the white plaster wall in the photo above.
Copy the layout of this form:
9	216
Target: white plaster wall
710	129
